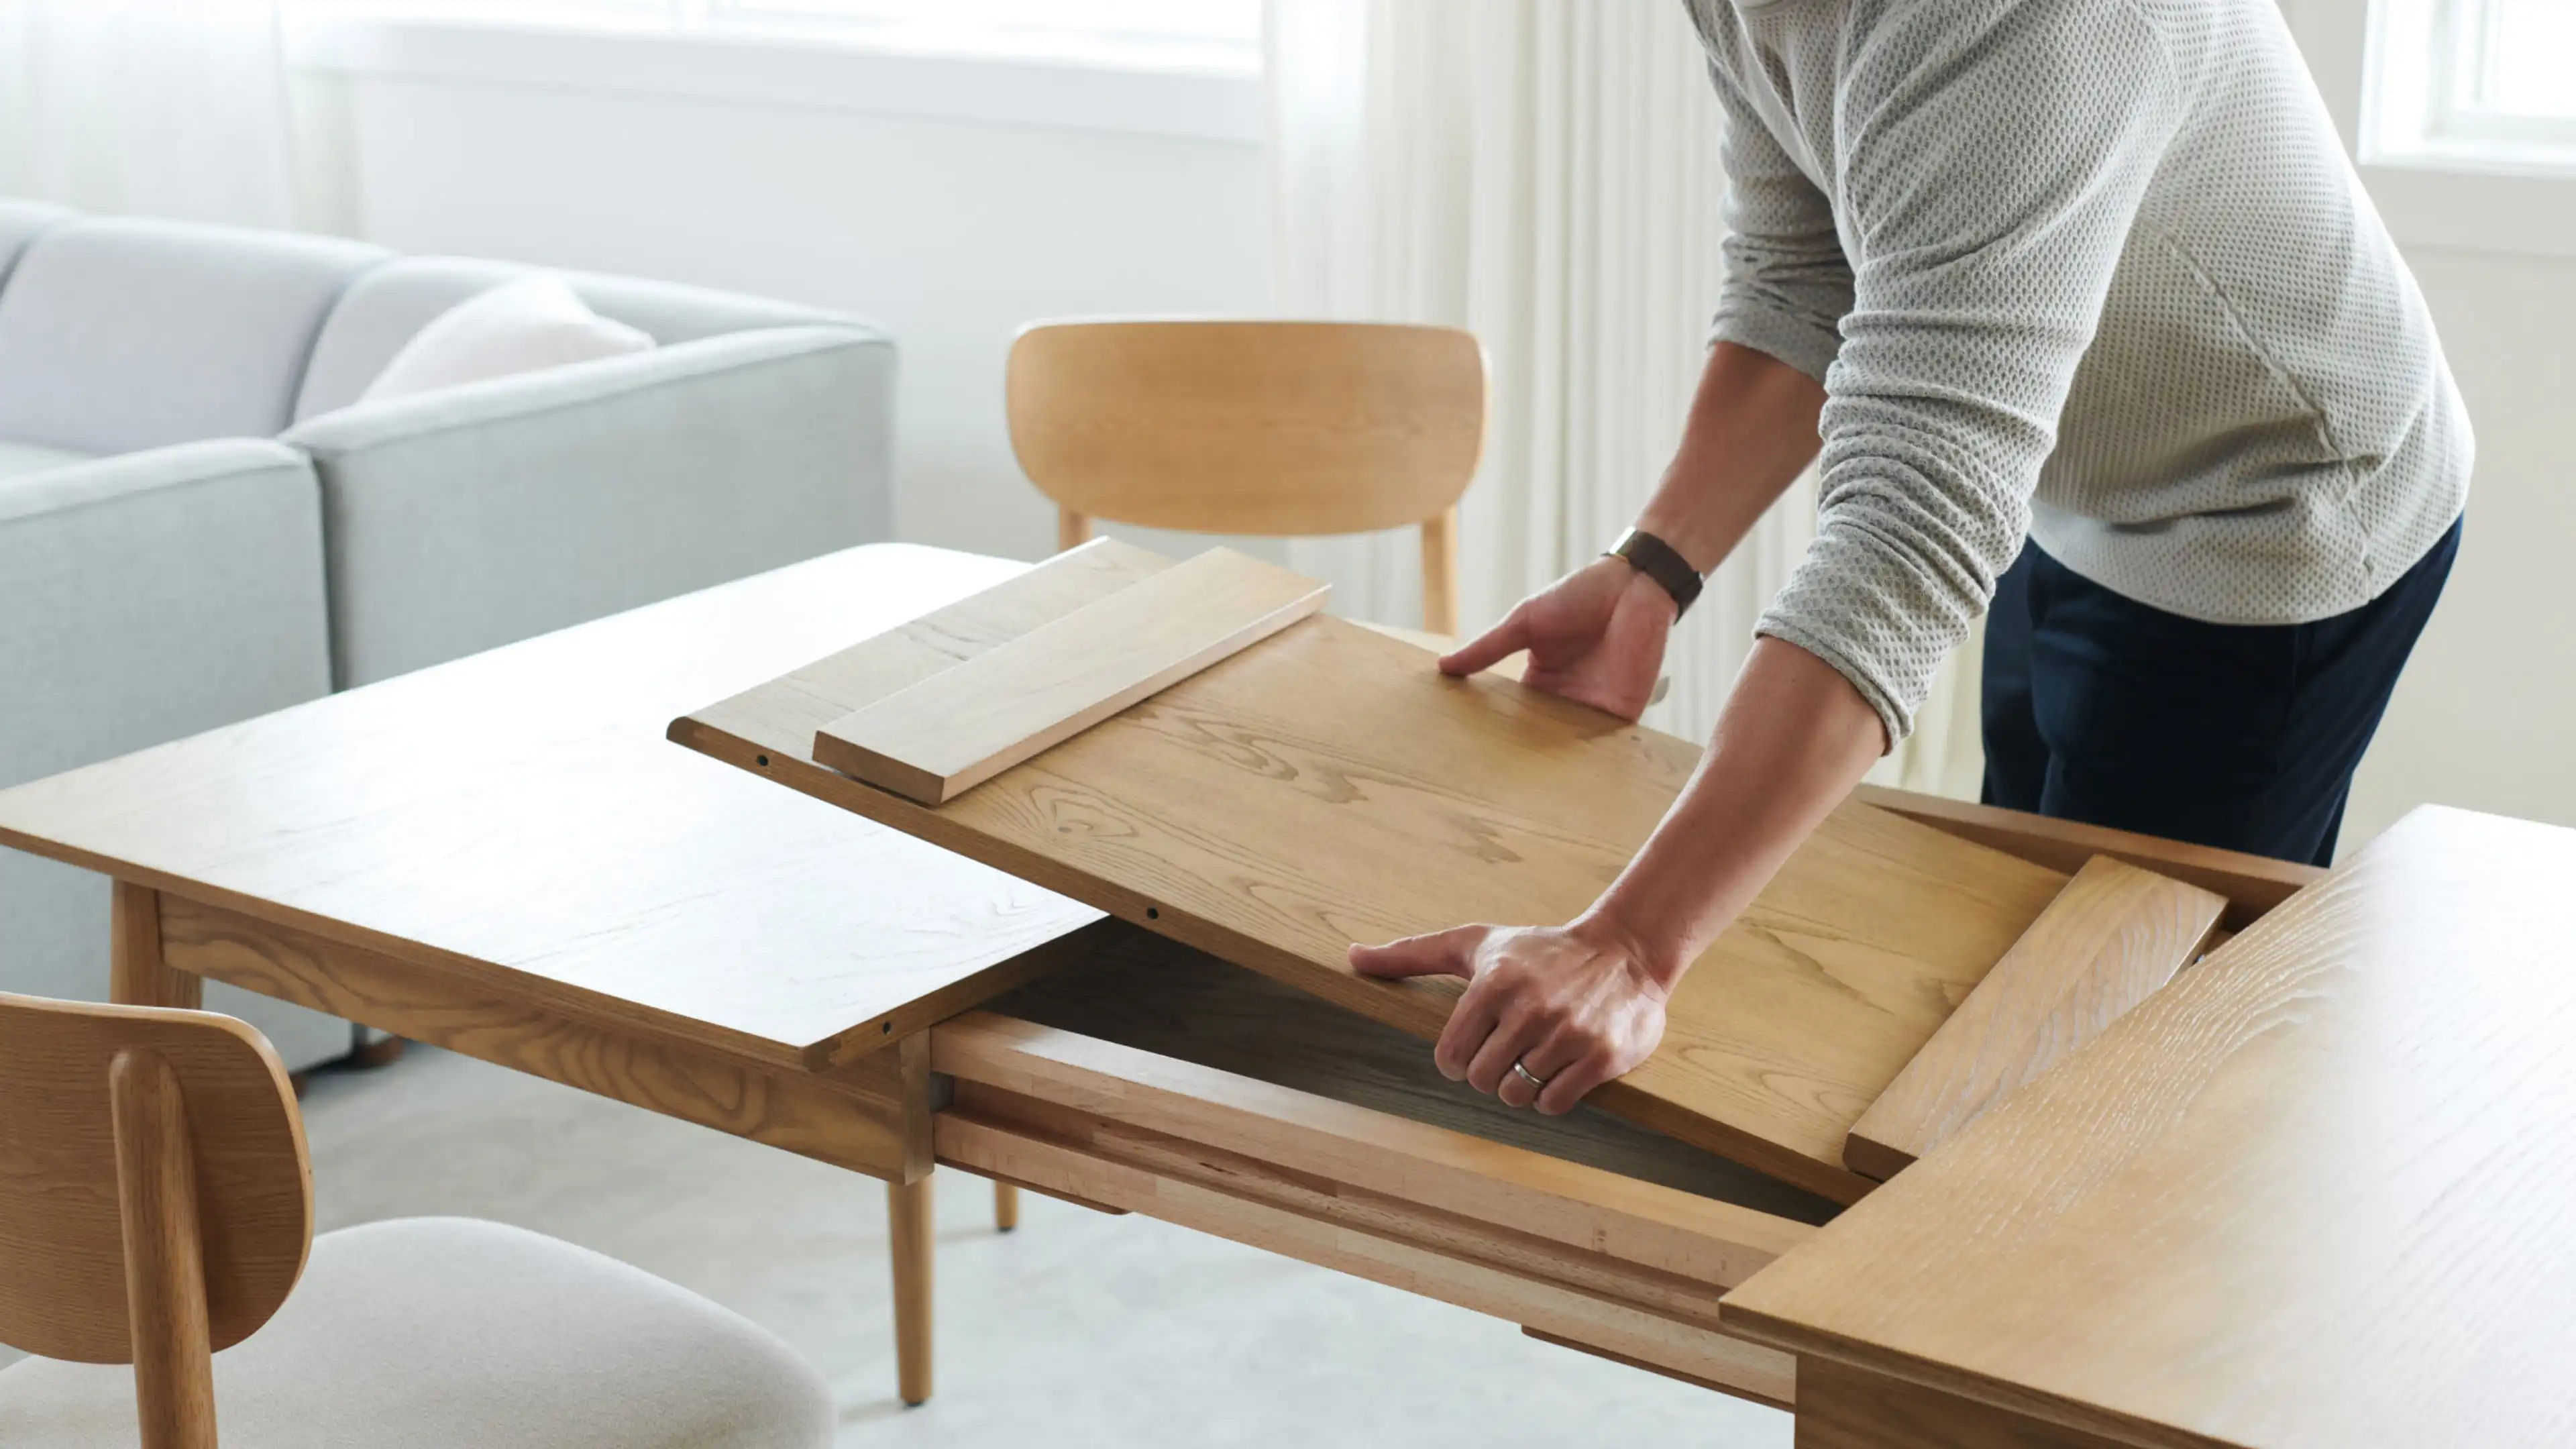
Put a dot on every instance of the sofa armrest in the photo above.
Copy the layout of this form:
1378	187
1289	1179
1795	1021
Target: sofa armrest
150	596
464	519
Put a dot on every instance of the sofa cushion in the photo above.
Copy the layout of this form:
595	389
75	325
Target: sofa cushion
20	222
120	335
390	304
531	323
17	457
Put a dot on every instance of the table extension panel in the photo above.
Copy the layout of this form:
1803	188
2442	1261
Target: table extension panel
1327	785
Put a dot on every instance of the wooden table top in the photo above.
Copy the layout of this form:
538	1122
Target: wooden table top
1328	785
2320	1191
519	814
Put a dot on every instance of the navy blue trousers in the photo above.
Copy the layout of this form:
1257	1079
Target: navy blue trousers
2102	709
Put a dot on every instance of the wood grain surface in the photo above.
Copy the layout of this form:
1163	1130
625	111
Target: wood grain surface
1156	995
165	1255
1254	427
1841	1407
2252	884
871	1115
519	817
2115	934
63	1243
2319	1191
1205	812
937	739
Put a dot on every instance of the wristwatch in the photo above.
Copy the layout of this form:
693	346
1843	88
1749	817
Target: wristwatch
1659	561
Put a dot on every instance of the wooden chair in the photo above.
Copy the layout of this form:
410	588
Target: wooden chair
1271	429
156	1209
1276	429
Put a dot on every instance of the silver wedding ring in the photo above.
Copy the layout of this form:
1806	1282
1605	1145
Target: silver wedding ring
1537	1082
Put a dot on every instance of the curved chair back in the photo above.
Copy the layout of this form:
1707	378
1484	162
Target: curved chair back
1264	428
156	1199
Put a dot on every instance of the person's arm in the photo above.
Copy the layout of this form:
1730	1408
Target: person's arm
1597	635
1974	303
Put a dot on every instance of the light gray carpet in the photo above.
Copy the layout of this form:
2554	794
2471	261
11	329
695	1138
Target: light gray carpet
1079	1329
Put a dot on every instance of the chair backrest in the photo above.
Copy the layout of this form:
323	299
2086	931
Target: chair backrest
94	1102
1265	428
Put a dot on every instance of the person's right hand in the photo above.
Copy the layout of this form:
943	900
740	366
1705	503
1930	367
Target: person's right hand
1595	636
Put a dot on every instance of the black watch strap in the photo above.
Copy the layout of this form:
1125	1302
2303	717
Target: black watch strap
1659	561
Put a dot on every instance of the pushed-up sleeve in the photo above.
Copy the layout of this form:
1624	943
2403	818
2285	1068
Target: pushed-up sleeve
1786	284
1994	160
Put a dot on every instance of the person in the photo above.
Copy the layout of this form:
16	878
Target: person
2098	337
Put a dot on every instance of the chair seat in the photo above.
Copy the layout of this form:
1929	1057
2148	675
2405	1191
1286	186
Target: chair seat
448	1333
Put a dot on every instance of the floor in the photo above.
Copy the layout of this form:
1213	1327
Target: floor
1078	1329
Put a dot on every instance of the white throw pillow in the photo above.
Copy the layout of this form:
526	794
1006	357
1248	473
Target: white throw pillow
518	327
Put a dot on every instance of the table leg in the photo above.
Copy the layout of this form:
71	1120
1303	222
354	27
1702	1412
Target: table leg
1006	1206
137	976
909	1226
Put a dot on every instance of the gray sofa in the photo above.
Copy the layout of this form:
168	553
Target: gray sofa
197	525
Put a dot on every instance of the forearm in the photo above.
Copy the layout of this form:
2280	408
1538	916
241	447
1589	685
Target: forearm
1793	740
1752	428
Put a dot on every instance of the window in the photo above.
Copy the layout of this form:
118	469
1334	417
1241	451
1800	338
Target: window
2481	82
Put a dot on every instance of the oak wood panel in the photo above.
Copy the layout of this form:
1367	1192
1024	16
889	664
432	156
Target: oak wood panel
1255	427
2252	884
518	814
63	1247
136	974
1653	1227
1198	812
2115	934
165	1265
1841	1407
1234	1198
2319	1191
1624	1360
1156	995
871	1115
937	739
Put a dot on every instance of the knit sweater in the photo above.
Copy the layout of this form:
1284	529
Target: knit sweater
2094	271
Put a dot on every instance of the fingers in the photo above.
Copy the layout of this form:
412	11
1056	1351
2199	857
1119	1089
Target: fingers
1491	647
1554	1052
1514	1033
1569	1085
1442	953
1471	1025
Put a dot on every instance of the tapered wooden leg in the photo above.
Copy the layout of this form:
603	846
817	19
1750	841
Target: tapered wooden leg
1440	574
908	1222
1006	1206
1072	530
165	1271
136	974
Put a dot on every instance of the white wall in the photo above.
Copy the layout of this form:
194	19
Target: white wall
954	234
950	234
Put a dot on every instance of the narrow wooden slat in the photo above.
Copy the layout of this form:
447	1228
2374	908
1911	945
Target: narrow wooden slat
1561	1341
1234	1199
964	725
2114	935
1715	1243
2253	884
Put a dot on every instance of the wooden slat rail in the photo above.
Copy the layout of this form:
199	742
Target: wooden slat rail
1628	1267
2115	934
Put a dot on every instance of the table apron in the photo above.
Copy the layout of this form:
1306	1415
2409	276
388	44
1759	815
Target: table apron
870	1116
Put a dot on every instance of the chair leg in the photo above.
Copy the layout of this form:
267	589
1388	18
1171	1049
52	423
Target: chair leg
1072	530
908	1222
1006	1207
1440	574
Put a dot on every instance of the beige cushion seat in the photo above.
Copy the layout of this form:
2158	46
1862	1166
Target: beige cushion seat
450	1333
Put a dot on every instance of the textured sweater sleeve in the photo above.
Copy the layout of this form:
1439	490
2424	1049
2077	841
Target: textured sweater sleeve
1994	156
1786	284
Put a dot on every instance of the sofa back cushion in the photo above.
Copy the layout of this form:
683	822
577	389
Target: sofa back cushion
120	335
388	306
22	222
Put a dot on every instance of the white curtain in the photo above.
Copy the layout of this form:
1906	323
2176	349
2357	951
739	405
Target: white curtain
1545	174
172	108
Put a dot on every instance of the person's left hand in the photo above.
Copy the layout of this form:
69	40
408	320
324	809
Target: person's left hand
1569	1003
